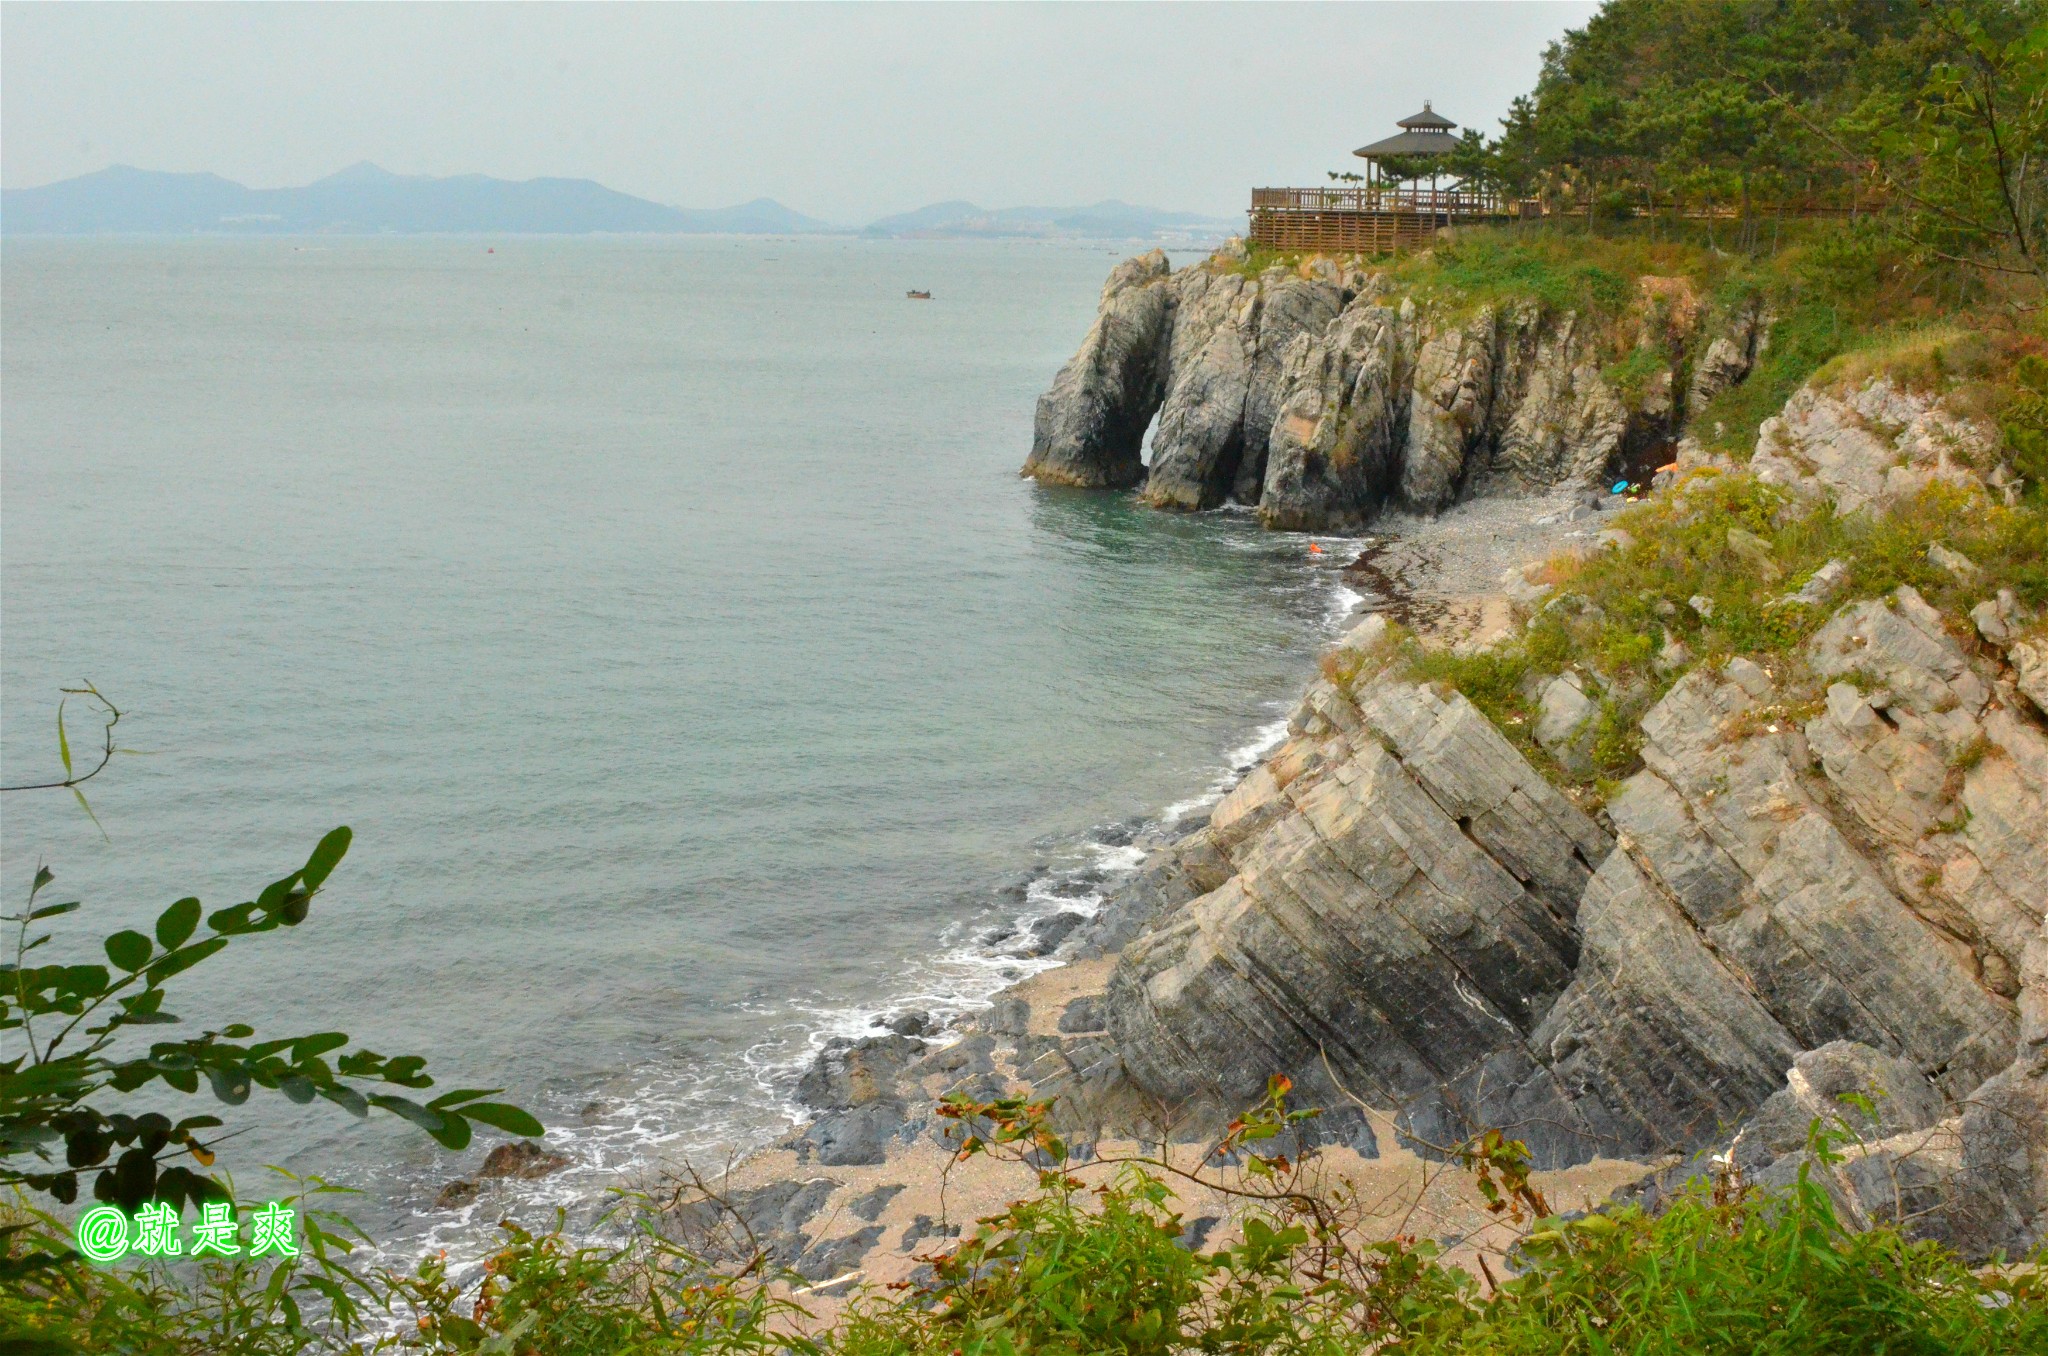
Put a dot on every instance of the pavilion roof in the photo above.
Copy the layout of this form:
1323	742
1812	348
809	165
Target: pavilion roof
1410	143
1424	133
1428	118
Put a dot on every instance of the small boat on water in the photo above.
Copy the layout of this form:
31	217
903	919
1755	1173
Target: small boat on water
916	295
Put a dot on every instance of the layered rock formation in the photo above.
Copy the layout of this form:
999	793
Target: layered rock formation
1826	880
1413	914
1873	446
1319	397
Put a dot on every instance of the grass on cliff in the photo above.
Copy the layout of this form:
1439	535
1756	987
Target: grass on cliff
1741	548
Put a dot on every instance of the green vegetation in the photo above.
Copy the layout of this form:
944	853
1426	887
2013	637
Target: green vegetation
1743	548
73	1019
1094	1267
1930	114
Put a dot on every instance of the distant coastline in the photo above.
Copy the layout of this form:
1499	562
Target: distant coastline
366	199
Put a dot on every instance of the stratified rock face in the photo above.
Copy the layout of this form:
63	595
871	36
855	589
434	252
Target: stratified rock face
1451	397
1873	446
1231	336
1411	908
1744	337
1333	452
1091	424
1374	920
1566	424
1301	393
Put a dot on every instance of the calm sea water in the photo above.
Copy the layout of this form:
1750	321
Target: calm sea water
667	619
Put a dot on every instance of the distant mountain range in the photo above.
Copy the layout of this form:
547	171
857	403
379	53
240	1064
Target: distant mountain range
1108	219
367	200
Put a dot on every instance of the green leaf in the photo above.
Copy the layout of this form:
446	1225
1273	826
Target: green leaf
184	959
52	910
325	856
63	744
175	925
454	1132
44	875
347	1098
307	1047
89	814
510	1119
128	949
230	1085
426	1120
448	1099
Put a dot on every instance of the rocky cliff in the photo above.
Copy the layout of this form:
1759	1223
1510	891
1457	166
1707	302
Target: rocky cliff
1847	849
1319	394
1813	890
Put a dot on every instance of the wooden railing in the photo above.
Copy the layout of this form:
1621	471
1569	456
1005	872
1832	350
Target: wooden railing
1447	202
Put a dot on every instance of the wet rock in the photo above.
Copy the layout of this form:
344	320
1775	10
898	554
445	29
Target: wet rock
923	1227
1047	933
456	1195
522	1158
837	1256
1169	878
850	1073
916	1022
868	1206
768	1220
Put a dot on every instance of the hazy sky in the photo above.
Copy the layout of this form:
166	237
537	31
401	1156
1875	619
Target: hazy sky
846	111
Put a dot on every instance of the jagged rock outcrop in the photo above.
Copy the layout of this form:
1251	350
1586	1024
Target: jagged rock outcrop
1318	397
1333	452
1873	446
1564	424
1727	360
1091	424
1411	907
1399	910
1231	336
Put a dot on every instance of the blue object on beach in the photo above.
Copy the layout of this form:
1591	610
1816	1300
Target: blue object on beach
1619	486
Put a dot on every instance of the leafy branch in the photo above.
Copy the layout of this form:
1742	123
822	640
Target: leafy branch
71	1016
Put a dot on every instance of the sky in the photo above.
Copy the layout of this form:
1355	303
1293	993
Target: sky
845	111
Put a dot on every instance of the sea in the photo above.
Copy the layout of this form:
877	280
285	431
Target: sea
667	620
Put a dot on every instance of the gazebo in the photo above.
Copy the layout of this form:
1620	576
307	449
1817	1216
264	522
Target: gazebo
1427	133
1378	216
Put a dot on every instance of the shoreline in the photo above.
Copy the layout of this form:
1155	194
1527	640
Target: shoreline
847	1195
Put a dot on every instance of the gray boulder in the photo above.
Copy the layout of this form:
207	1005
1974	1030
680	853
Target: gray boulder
1091	424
